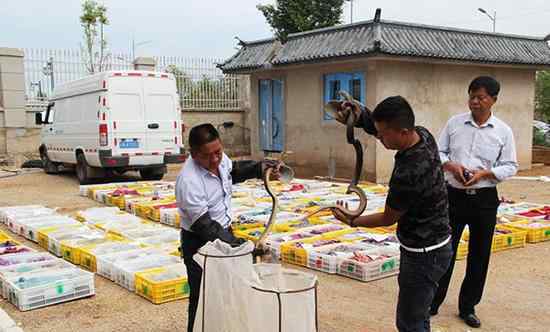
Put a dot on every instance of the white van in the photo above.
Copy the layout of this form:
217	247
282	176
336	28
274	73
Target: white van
112	122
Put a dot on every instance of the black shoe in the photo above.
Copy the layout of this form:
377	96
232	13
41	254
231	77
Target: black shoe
471	320
434	311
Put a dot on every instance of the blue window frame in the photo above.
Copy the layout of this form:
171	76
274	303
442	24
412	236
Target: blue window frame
353	83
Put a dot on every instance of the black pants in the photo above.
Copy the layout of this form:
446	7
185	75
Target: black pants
419	274
190	244
478	211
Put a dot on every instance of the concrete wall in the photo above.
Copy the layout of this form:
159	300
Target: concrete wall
312	140
236	140
438	91
435	91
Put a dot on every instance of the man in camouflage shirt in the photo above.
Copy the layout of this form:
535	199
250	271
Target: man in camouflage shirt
417	201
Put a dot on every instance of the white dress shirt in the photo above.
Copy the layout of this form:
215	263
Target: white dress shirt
199	191
490	146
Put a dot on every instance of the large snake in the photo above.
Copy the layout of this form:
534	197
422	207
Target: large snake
352	187
287	172
274	205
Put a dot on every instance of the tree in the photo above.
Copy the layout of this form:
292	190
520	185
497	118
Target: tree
542	96
94	16
290	16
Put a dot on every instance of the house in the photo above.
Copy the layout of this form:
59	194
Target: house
430	66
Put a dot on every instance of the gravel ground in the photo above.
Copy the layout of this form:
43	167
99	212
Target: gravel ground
516	298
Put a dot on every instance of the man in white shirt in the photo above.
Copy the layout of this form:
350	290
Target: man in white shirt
477	151
203	195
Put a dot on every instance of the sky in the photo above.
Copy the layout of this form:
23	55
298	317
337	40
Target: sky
206	28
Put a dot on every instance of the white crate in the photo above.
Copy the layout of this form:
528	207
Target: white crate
319	259
377	269
17	225
162	239
105	263
7	261
12	213
124	271
30	232
21	269
55	286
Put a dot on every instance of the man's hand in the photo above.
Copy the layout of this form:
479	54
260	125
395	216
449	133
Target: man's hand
338	214
457	170
275	165
478	175
343	110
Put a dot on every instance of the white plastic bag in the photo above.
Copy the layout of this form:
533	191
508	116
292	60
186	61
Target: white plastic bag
238	296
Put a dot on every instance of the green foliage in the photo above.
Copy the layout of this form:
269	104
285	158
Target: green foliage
542	96
94	18
539	138
290	16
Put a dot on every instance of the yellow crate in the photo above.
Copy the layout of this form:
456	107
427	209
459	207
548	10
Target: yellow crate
534	235
88	258
4	235
506	219
71	252
516	239
462	250
161	291
43	233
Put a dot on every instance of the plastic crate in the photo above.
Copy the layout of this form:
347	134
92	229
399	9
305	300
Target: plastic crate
320	259
515	239
163	284
377	269
105	263
537	231
43	233
55	286
71	248
462	250
20	269
55	239
30	231
88	254
124	271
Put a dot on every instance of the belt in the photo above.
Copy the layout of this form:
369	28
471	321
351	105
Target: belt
426	249
470	191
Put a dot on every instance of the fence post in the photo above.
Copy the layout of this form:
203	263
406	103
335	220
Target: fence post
145	63
13	118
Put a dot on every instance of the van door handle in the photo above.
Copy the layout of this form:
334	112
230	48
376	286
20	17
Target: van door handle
153	126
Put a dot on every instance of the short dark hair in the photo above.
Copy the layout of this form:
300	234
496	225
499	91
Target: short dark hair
396	112
490	85
201	135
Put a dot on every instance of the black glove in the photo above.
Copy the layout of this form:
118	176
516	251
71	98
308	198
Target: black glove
209	230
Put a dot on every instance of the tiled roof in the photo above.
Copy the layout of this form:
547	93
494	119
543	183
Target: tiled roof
395	39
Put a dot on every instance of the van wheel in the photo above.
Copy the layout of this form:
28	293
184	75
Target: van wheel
82	169
151	174
49	166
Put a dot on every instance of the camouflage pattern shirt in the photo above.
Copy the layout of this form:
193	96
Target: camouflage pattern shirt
417	186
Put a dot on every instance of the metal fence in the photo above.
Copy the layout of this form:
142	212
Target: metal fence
201	85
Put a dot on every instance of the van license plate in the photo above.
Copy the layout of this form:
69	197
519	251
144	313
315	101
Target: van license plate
129	143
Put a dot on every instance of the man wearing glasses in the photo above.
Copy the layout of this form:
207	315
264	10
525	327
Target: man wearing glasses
203	195
477	151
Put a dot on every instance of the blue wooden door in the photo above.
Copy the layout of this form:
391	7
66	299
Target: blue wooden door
272	124
265	114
